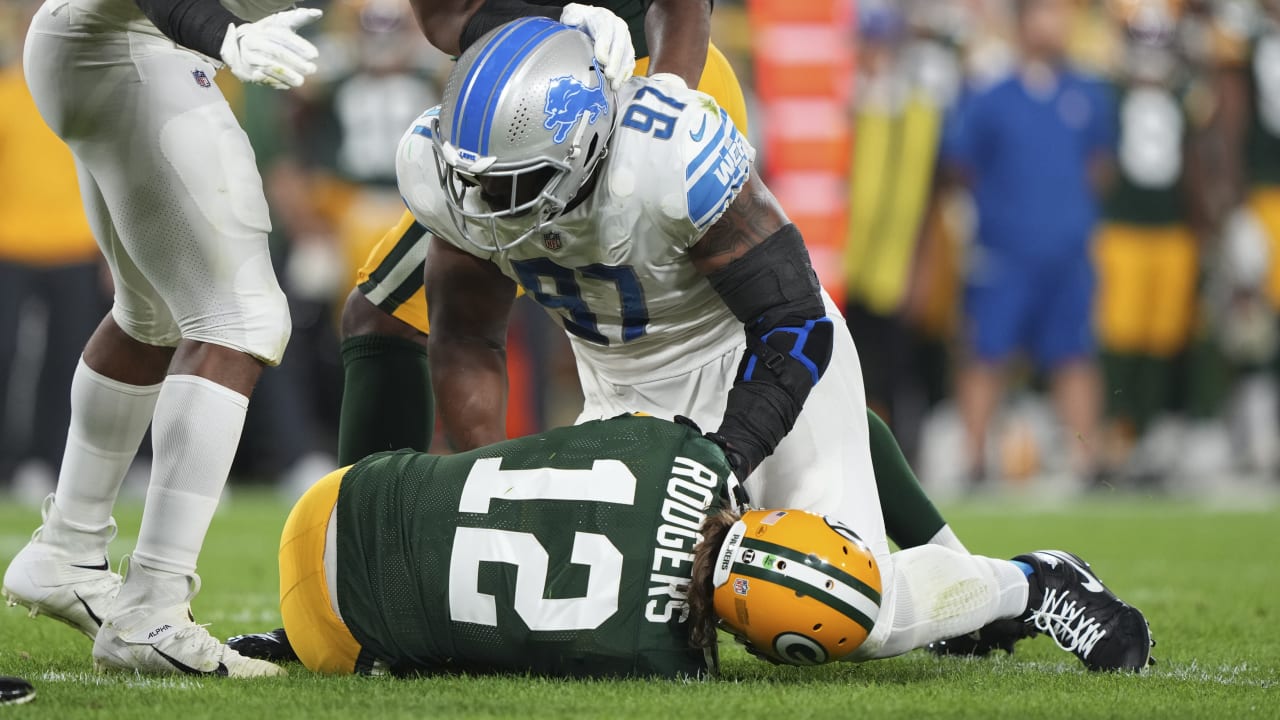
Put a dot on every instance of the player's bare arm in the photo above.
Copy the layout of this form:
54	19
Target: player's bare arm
751	219
757	262
678	32
470	301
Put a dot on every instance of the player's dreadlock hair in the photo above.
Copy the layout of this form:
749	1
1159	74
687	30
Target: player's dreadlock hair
702	610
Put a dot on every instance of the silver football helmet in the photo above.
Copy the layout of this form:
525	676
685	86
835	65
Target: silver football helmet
528	106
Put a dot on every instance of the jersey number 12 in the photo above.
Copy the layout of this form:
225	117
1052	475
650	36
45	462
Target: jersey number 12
608	481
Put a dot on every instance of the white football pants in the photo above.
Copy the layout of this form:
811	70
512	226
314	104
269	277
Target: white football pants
167	178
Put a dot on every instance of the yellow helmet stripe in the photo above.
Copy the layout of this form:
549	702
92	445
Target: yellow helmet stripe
761	546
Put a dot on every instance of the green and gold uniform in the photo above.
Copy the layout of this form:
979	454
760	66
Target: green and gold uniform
1262	155
1146	256
561	554
1145	252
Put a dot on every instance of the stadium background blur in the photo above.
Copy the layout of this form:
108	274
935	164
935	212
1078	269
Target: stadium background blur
851	106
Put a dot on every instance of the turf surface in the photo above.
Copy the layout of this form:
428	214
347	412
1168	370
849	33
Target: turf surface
1208	580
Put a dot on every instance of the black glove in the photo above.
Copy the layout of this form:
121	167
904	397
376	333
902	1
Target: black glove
737	494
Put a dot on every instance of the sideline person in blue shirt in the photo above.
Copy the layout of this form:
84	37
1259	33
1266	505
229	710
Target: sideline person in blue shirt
1035	150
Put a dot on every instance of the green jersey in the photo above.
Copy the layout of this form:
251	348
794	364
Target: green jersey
1153	127
566	553
1263	150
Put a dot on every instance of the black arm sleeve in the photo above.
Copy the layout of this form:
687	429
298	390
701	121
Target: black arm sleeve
774	291
496	12
197	24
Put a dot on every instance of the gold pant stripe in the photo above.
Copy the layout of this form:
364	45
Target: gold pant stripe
1146	288
1265	204
318	636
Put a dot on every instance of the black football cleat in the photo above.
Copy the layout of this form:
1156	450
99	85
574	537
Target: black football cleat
1067	602
998	635
15	691
271	646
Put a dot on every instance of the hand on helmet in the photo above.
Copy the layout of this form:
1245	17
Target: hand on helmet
270	51
612	37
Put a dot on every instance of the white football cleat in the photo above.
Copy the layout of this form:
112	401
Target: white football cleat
74	585
167	641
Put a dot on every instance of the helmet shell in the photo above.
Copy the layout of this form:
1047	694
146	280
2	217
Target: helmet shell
797	587
528	102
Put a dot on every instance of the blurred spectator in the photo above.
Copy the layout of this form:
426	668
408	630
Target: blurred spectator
380	75
1251	304
327	156
51	291
1147	250
1035	148
908	76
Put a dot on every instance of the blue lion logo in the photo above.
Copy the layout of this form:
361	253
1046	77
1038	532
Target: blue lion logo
568	99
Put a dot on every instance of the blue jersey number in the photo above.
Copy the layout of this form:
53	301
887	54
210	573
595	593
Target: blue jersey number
646	119
568	296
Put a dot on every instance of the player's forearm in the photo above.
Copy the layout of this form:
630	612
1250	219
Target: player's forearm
469	380
200	25
774	291
678	32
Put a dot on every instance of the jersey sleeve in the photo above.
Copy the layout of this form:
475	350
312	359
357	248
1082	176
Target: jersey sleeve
712	159
419	183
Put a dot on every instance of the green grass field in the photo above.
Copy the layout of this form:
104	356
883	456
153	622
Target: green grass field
1208	581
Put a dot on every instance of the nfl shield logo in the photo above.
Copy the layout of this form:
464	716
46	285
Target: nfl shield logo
741	586
551	240
201	79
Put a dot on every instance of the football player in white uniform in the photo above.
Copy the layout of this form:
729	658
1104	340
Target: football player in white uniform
174	198
634	218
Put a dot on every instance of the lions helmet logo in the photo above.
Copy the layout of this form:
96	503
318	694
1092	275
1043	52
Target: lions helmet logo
568	100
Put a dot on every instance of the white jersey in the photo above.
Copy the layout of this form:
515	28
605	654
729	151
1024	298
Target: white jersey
616	268
125	15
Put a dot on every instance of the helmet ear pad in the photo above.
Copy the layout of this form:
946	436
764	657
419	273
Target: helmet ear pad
796	587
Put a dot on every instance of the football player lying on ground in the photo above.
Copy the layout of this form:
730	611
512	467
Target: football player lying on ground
634	218
615	548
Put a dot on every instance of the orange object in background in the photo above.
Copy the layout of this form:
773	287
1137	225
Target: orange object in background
807	134
804	70
802	60
822	12
522	416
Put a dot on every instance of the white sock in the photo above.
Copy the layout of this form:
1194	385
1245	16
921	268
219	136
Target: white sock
108	421
946	537
938	594
197	429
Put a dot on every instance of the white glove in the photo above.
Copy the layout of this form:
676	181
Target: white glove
612	38
270	51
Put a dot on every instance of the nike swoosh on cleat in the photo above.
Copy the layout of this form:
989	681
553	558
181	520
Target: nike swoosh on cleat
221	670
100	566
697	136
1090	583
92	615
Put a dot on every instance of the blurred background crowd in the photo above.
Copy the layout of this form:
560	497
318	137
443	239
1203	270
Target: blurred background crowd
1054	226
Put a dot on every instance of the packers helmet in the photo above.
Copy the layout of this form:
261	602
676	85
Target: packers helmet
796	587
526	104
